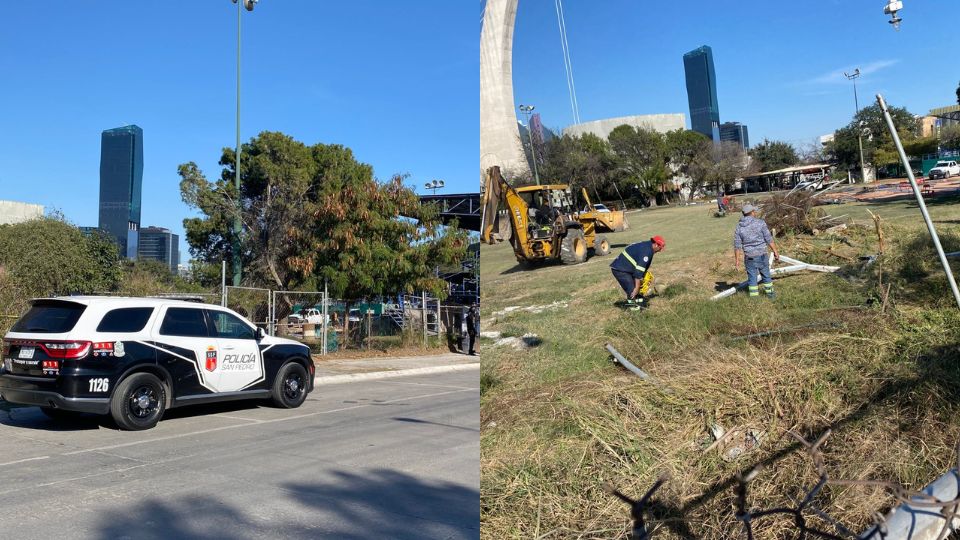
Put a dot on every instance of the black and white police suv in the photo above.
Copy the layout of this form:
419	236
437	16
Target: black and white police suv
133	358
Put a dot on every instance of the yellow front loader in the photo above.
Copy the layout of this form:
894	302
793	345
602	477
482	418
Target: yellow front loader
607	220
545	223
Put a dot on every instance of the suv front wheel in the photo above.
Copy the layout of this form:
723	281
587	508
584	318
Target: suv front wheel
138	402
290	386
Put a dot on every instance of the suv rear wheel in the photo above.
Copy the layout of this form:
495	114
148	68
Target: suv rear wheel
290	386
138	402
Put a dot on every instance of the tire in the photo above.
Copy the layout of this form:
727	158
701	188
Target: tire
139	402
601	246
59	414
573	247
290	386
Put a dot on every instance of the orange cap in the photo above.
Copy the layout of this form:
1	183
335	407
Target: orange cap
658	240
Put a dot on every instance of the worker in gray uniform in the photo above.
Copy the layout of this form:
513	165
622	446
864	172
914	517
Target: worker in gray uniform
750	242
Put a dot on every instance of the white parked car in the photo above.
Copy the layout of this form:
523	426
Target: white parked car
313	316
601	207
945	169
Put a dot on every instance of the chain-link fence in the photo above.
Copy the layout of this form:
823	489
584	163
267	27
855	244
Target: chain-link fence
332	324
933	513
251	302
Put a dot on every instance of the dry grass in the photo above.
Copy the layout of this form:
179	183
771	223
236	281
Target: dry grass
560	421
546	454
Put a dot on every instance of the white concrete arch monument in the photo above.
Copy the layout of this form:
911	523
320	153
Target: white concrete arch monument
499	135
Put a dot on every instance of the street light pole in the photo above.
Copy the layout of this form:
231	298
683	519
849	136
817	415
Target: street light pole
526	110
434	185
237	227
856	102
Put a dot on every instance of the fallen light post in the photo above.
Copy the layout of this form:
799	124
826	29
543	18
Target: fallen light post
795	266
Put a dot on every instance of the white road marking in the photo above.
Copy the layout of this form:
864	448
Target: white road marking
262	422
237	418
425	384
23	460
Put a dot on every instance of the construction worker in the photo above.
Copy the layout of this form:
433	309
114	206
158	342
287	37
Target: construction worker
750	242
632	269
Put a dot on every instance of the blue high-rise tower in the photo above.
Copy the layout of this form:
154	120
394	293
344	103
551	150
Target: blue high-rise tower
702	92
121	181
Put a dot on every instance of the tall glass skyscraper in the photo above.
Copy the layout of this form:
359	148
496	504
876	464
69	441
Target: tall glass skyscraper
702	92
121	180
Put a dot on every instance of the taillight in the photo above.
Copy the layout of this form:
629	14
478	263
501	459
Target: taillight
67	349
6	348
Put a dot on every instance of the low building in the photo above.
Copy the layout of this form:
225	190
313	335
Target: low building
948	116
827	139
18	212
602	128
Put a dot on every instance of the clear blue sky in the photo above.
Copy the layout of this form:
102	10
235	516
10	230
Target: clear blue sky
779	64
394	81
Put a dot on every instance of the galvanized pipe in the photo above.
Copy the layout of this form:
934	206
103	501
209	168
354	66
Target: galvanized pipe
626	363
919	196
909	522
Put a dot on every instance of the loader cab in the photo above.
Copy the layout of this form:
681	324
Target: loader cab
545	204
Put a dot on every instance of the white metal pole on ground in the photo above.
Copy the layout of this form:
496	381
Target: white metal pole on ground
223	283
325	312
919	196
423	311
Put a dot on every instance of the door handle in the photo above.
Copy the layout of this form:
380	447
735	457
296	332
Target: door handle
228	347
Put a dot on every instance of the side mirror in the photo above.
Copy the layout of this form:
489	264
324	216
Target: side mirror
260	333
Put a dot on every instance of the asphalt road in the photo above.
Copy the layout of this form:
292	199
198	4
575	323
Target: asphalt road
393	458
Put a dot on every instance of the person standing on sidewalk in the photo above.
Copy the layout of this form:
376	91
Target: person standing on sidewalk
750	242
473	328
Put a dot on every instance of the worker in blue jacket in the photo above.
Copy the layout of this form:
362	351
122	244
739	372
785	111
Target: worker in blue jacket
633	266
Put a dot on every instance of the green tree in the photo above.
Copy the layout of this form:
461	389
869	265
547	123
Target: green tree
878	147
774	155
724	164
45	257
685	148
921	146
146	277
582	162
314	213
950	137
641	157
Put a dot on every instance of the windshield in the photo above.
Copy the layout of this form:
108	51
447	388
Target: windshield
942	164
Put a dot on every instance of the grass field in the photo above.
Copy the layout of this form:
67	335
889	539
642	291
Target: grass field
560	420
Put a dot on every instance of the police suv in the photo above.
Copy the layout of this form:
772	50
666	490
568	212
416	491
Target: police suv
133	358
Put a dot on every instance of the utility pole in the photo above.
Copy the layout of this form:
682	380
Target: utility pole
237	227
856	102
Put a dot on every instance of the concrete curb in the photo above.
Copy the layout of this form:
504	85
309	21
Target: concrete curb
352	377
